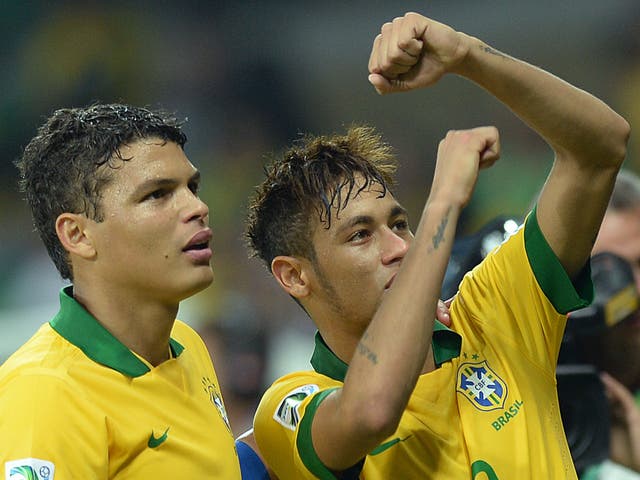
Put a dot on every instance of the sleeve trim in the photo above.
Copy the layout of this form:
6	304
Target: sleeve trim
305	448
564	294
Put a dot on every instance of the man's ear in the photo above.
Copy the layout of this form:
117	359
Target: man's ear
291	274
71	230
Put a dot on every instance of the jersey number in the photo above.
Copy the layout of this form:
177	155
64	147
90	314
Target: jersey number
480	466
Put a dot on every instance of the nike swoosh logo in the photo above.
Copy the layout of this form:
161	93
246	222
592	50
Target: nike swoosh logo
157	441
387	445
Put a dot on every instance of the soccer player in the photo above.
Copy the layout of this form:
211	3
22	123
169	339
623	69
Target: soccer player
114	386
393	394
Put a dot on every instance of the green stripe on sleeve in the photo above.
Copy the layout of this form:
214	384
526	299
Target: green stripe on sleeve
305	448
564	294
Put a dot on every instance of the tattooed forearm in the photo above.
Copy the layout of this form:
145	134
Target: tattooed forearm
365	351
439	236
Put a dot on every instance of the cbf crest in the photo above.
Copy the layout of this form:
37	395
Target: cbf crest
214	396
479	384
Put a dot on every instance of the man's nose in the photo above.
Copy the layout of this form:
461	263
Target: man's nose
395	247
196	207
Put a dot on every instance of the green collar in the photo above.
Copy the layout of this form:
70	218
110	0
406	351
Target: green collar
446	345
81	329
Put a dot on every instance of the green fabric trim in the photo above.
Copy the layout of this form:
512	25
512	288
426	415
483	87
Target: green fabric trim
80	328
304	444
176	348
446	345
324	361
564	294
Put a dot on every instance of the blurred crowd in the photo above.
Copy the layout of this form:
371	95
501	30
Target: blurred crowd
249	77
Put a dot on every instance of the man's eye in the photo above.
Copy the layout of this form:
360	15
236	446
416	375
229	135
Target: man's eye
401	225
194	187
359	235
156	194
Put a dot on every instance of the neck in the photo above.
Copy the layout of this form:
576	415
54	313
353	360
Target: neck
343	344
141	324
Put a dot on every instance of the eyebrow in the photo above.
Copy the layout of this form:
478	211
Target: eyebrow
154	183
395	211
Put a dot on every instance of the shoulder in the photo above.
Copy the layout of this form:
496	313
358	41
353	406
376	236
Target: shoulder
44	373
45	355
44	405
37	390
183	330
45	416
299	384
525	265
187	336
279	424
286	400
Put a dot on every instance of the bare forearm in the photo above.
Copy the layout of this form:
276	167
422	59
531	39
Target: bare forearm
391	353
572	121
588	138
400	332
393	350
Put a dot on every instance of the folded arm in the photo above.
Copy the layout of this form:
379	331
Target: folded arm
588	138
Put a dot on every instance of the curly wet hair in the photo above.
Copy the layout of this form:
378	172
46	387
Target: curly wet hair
308	184
66	166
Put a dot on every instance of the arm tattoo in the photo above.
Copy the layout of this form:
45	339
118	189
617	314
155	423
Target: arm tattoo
492	51
365	351
439	236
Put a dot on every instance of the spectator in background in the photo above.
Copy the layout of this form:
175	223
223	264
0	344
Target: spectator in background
114	386
616	351
237	340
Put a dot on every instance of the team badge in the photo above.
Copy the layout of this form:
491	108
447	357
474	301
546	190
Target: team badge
29	469
287	413
479	384
214	396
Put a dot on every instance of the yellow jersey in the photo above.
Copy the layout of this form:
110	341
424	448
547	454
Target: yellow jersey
488	412
76	403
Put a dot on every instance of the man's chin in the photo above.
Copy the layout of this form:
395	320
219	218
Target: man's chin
198	285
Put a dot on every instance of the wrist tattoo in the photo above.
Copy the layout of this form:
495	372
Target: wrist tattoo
492	51
365	351
439	236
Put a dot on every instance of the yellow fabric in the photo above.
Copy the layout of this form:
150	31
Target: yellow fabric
511	335
92	422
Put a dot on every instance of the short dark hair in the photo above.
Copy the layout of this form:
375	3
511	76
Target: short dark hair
60	168
316	175
626	192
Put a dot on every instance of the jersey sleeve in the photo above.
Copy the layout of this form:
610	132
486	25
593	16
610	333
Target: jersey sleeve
251	467
282	426
38	436
521	294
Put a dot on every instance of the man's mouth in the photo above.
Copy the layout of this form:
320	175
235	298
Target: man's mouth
200	241
198	248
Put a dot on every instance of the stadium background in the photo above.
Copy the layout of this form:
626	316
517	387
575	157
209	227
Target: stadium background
250	76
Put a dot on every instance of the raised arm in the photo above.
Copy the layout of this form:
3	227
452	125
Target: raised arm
383	372
588	138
